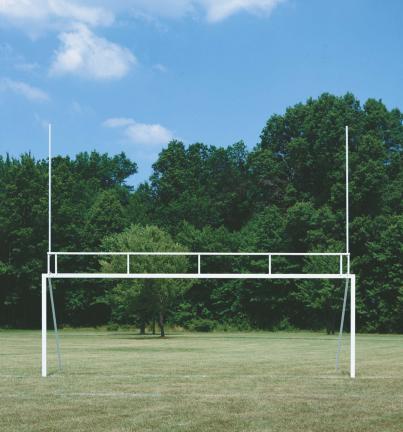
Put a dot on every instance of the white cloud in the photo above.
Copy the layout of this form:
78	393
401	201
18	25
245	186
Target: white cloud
160	68
52	12
141	133
118	122
217	10
27	67
102	12
83	53
23	89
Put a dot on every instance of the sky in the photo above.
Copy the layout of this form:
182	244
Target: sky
130	75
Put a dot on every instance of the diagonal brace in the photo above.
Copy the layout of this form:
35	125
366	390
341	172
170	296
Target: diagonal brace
59	357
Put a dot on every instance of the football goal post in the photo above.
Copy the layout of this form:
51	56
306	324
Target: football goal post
53	271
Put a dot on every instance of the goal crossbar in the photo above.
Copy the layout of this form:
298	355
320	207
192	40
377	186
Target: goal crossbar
343	261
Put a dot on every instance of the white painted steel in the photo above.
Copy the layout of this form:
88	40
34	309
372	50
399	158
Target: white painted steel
351	277
44	326
352	326
206	253
50	189
347	199
196	276
343	312
49	275
269	255
52	304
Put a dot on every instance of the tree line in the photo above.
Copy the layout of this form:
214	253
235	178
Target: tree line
285	194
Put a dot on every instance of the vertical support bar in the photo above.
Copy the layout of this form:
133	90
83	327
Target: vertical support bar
347	197
269	264
348	264
55	264
352	327
50	189
198	264
52	303
341	264
44	326
128	263
48	263
343	313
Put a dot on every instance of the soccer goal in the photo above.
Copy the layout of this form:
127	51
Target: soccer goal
270	273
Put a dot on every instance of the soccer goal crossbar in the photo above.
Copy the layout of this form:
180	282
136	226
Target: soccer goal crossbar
270	272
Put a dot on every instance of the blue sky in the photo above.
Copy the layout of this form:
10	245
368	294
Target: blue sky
132	76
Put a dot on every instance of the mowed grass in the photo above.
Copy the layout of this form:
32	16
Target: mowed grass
200	382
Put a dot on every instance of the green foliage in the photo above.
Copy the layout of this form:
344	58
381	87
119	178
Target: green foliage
201	325
286	194
140	300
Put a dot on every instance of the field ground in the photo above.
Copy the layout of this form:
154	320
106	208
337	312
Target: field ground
119	381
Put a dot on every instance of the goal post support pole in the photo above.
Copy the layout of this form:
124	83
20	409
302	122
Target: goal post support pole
52	304
343	313
352	326
44	325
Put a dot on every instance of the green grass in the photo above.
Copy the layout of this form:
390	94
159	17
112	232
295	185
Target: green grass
200	382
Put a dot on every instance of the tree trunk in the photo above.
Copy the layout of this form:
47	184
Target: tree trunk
161	324
143	328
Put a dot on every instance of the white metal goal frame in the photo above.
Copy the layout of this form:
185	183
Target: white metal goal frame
343	273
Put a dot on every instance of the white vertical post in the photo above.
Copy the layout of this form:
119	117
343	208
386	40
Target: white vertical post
352	327
128	263
44	325
198	264
52	304
341	263
269	263
347	199
48	265
50	188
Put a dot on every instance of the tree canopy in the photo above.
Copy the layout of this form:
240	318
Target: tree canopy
285	194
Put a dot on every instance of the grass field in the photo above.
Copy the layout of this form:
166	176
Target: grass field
200	382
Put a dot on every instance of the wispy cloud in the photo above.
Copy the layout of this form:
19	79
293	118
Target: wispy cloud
83	53
160	68
141	133
23	89
213	10
52	13
220	10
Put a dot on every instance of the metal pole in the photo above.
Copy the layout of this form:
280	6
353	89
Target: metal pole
59	357
44	325
269	264
352	328
50	188
347	199
341	324
198	264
